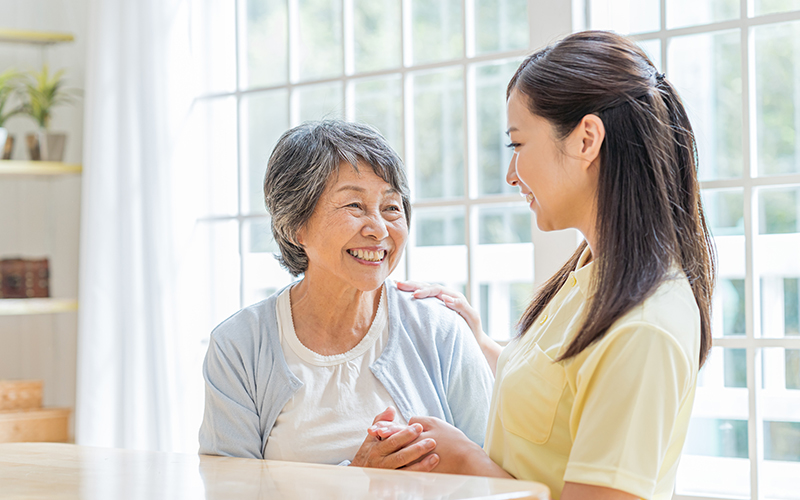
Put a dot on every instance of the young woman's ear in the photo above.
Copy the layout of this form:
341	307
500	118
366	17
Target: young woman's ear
591	133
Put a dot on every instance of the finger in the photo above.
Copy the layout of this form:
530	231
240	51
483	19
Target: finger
387	415
465	310
383	430
427	464
429	291
410	453
410	286
400	439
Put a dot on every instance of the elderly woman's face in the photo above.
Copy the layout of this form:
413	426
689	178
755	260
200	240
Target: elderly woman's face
358	230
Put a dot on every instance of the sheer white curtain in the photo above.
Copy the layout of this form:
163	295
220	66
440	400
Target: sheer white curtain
137	224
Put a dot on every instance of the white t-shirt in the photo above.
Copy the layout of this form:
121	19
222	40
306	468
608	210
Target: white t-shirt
327	419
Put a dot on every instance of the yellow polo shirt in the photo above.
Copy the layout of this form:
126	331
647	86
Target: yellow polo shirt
617	414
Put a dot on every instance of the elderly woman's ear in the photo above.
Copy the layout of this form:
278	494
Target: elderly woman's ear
299	236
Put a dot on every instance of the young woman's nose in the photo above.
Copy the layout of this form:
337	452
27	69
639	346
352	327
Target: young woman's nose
511	175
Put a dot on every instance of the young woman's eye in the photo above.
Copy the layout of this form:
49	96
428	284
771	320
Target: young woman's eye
512	145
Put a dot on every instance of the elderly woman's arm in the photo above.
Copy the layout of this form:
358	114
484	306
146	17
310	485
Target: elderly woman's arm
230	422
457	302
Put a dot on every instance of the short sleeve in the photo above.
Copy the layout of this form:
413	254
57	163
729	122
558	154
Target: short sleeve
628	397
230	421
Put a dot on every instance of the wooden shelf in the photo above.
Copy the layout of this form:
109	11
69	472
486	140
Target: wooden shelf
17	167
34	37
17	307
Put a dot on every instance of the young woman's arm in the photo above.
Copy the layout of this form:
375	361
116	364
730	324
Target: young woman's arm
458	303
578	491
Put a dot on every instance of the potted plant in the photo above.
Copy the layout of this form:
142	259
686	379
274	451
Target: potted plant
8	87
43	92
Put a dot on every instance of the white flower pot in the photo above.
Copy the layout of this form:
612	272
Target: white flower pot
6	144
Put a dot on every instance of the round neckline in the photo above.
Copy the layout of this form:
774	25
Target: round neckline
312	357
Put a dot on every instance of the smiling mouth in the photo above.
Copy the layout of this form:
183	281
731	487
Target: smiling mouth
529	198
368	255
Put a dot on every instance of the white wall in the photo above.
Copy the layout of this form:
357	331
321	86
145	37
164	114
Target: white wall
40	217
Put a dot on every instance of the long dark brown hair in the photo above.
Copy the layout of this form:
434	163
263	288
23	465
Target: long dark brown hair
649	214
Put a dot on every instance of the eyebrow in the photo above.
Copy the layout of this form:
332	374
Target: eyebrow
512	129
359	189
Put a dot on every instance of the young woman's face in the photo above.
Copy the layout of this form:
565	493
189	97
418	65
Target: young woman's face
556	186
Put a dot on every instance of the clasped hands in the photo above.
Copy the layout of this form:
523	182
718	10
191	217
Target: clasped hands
425	444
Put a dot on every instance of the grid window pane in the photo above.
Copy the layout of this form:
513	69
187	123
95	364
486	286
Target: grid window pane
501	25
436	30
715	457
490	105
263	44
776	249
682	13
779	210
625	16
376	33
319	52
762	7
706	69
440	227
724	210
318	102
438	134
264	117
263	275
379	102
439	251
504	236
780	398
503	224
777	61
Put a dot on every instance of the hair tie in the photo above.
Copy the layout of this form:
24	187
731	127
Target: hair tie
660	77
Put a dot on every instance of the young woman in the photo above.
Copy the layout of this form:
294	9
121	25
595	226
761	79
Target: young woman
594	396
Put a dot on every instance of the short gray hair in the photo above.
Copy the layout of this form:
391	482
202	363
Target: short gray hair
300	167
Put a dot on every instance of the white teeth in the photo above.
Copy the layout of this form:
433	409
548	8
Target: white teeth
529	197
368	255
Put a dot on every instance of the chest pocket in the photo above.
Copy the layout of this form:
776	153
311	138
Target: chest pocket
529	396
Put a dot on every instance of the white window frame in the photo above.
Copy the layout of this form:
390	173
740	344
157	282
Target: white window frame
548	21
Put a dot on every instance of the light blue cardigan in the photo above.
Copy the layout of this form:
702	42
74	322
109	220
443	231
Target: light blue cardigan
431	366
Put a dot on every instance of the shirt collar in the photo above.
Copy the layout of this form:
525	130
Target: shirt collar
584	272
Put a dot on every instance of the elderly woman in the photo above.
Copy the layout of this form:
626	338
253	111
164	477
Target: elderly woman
300	375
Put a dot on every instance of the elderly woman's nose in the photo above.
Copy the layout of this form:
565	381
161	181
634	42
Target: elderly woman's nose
375	226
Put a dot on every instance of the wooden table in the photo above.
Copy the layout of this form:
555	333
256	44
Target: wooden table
66	471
